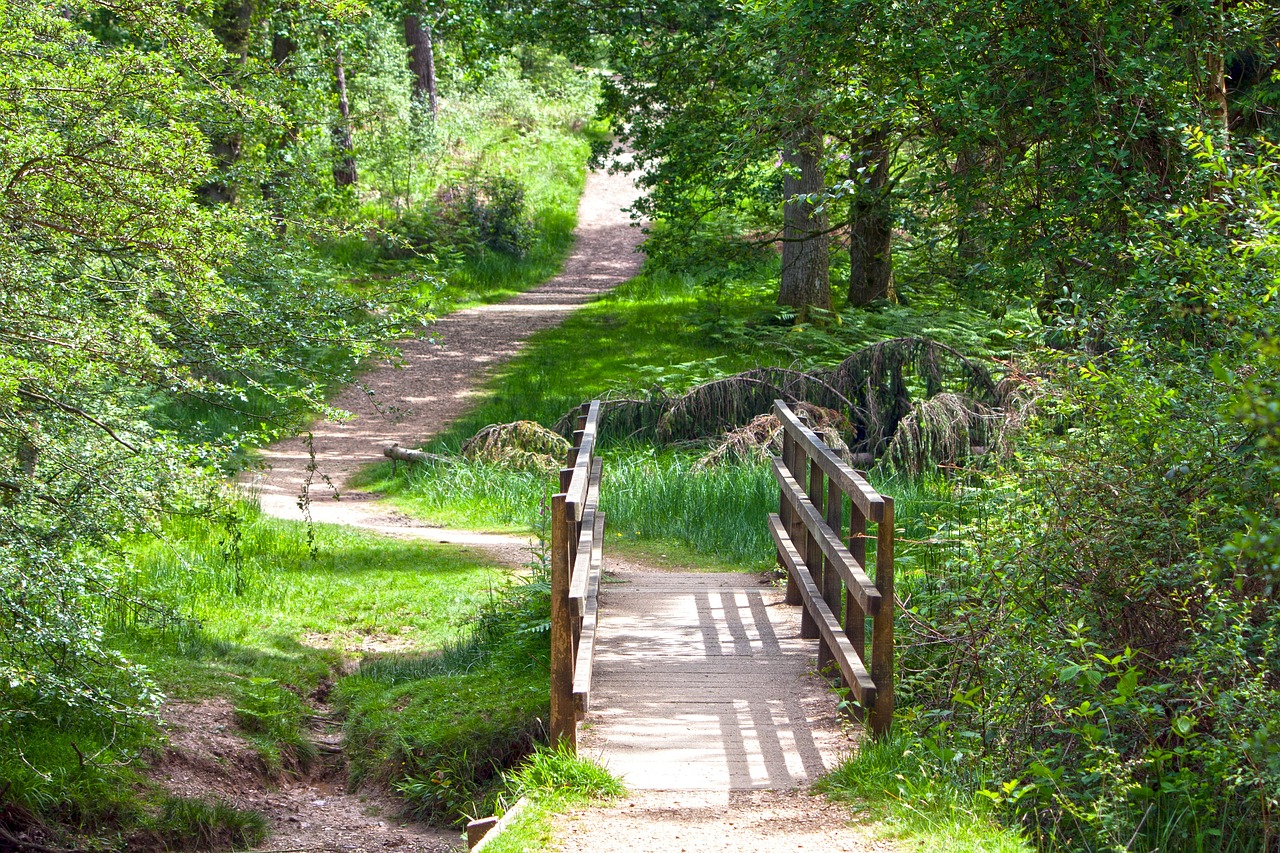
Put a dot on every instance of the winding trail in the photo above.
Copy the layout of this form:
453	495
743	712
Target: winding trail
437	377
718	766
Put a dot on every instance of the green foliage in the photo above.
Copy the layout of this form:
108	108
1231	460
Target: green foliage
1102	646
121	289
911	787
441	731
558	771
275	720
196	824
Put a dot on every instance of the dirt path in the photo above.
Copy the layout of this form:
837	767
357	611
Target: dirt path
439	376
718	822
435	385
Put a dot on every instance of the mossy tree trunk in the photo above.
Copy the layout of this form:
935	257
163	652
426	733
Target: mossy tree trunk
870	221
806	274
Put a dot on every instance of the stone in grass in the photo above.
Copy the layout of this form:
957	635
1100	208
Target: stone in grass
523	445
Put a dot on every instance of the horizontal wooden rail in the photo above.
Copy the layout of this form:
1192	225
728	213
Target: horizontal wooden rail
830	579
851	570
851	667
577	560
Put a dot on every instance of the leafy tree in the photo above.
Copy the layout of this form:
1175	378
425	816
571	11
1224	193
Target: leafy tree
117	285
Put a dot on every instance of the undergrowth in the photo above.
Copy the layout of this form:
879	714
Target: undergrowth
895	782
441	729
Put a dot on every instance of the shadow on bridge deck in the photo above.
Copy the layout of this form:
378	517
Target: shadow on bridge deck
703	683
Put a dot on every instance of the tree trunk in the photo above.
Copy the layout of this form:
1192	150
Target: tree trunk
422	62
282	49
870	221
231	26
1216	95
971	245
806	275
344	166
1215	83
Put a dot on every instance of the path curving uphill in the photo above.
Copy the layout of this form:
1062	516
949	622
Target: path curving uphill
438	376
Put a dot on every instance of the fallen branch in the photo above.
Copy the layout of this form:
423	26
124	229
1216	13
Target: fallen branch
402	454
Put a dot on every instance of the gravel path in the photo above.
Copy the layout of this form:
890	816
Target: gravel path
438	377
718	822
435	384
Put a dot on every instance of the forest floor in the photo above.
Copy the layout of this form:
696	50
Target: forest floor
436	380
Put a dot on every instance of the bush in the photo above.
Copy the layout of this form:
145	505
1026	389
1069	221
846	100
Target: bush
485	212
1105	647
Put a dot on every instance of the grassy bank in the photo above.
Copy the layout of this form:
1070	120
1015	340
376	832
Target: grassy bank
258	612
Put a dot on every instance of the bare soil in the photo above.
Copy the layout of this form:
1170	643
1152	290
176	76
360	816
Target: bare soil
310	810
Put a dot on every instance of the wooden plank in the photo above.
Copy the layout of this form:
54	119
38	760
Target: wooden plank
855	577
403	454
863	495
581	556
499	827
851	666
564	719
576	491
586	533
882	627
588	554
590	619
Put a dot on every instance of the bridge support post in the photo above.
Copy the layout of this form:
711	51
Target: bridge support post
564	717
882	626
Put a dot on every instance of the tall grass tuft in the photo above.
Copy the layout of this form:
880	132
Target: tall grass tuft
477	494
717	511
557	770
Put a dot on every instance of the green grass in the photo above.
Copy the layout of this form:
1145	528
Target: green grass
441	730
893	782
676	331
662	498
553	781
663	509
257	584
637	334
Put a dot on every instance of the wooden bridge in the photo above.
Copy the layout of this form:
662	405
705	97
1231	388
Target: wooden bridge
710	681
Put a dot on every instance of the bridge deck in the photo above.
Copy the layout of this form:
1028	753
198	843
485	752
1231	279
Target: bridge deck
703	683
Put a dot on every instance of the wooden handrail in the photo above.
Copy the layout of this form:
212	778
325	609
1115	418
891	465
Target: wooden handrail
850	568
826	577
577	560
862	493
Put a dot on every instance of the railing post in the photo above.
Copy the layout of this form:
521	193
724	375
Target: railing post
882	626
814	559
855	621
564	718
792	596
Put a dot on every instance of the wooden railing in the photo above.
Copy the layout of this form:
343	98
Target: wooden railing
577	537
829	578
